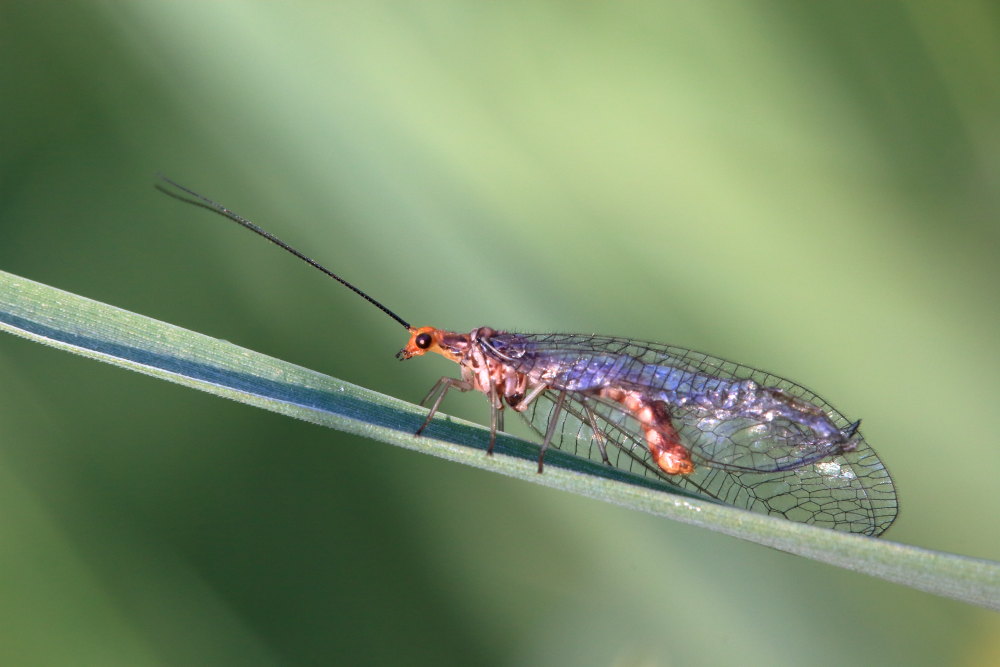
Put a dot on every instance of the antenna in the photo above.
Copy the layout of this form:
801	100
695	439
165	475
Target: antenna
216	207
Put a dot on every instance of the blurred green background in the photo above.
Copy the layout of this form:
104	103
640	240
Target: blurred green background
811	189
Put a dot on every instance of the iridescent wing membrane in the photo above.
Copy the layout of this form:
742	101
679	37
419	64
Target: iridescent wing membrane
748	452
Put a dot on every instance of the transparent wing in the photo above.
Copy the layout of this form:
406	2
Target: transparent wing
729	415
761	442
851	491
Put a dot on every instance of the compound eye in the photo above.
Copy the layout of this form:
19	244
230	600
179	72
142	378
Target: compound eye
423	341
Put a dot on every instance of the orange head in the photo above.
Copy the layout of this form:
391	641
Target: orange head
428	339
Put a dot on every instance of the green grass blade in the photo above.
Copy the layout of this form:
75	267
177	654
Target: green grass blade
109	334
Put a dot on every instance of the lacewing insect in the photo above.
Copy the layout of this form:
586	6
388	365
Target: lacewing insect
740	435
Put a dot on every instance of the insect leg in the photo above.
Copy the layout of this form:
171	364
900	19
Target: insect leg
441	388
598	433
496	417
550	431
532	395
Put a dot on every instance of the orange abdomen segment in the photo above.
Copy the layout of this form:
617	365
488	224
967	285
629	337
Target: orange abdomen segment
664	443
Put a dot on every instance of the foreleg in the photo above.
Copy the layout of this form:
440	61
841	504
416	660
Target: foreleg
441	388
